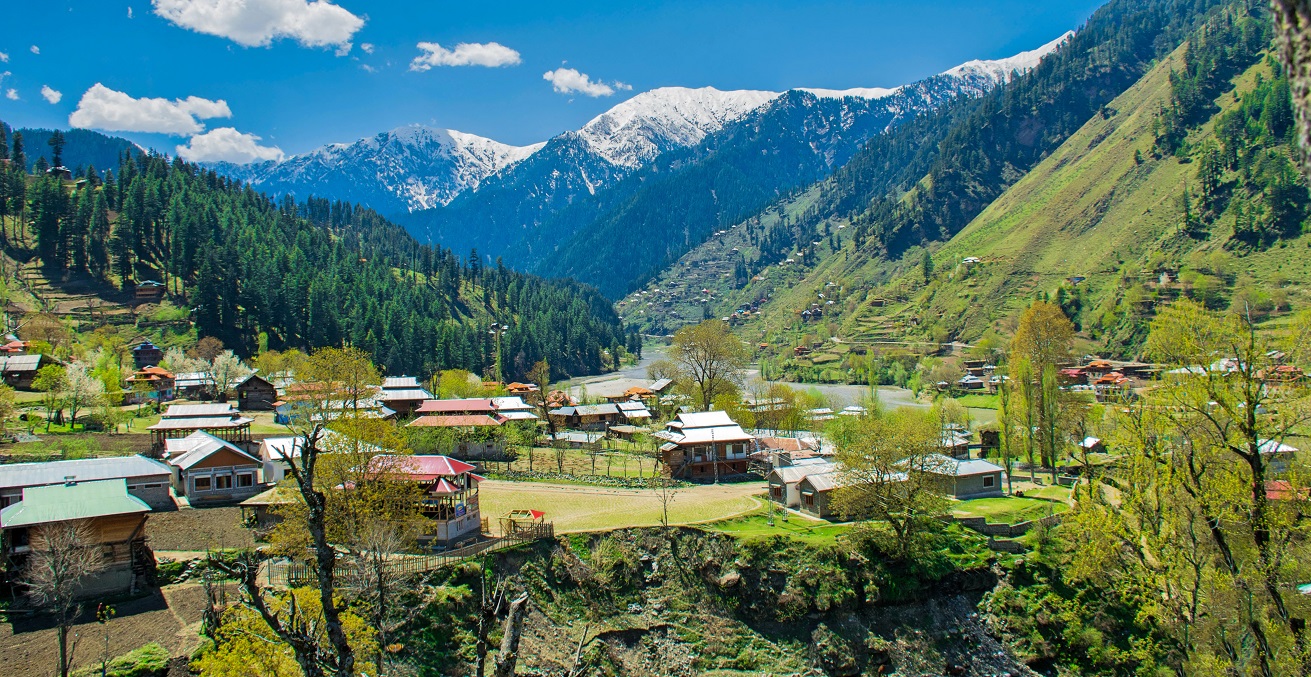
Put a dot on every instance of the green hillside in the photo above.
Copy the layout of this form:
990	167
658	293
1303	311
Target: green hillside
1099	225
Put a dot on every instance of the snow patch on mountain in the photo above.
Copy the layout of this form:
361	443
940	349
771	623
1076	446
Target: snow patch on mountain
658	120
1001	70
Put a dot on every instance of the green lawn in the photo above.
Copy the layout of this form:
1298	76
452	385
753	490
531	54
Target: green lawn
978	401
756	525
1008	509
1054	492
581	508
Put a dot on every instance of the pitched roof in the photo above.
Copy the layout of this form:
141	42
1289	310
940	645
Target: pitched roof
64	502
661	384
702	419
82	470
200	423
199	446
470	404
199	410
405	394
514	403
400	383
795	473
596	409
20	363
455	421
940	464
423	467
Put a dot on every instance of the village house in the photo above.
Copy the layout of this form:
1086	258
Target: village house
705	445
784	480
594	417
450	496
514	409
145	478
148	291
458	406
965	478
150	384
635	412
115	519
402	394
274	453
20	370
146	354
181	420
207	469
517	388
193	385
15	347
816	494
1278	456
254	393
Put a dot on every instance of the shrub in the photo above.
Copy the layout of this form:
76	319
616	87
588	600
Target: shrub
150	660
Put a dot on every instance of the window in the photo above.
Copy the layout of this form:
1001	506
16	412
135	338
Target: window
989	481
223	481
152	486
245	480
810	499
200	483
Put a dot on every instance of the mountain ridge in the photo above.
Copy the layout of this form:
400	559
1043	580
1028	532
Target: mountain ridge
372	170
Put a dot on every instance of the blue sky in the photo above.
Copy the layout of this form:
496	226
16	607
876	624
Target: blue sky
300	74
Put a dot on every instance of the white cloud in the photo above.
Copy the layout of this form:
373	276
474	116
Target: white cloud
4	57
11	94
104	108
257	23
569	81
51	95
226	144
368	69
367	47
489	54
35	49
129	12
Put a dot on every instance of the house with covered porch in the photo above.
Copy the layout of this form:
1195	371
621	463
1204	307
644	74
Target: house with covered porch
450	496
705	445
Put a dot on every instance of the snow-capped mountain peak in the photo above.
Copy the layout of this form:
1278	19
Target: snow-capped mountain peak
652	122
1000	70
858	92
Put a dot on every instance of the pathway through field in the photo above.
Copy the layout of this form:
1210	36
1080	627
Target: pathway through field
583	508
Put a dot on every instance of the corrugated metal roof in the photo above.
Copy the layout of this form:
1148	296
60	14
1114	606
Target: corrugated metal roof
703	419
596	409
400	383
202	446
199	410
82	470
20	363
472	404
455	421
421	467
200	423
414	394
64	502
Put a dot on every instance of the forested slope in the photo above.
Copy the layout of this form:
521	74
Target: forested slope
317	273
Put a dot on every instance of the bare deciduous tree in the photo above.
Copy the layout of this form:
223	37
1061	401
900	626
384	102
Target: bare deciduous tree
63	556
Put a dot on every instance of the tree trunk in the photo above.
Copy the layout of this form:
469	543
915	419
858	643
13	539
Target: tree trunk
509	654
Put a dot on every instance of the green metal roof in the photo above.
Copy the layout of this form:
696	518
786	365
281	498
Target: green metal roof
64	502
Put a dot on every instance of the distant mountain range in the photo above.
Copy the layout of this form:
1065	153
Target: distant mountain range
630	191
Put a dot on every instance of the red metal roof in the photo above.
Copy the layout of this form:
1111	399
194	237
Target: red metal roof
470	405
444	486
423	468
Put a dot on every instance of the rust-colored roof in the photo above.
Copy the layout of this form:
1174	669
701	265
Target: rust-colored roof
467	405
455	421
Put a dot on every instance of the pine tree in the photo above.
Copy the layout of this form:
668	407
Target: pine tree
57	148
98	246
18	157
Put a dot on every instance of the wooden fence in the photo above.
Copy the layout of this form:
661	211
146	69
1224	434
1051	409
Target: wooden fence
292	574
